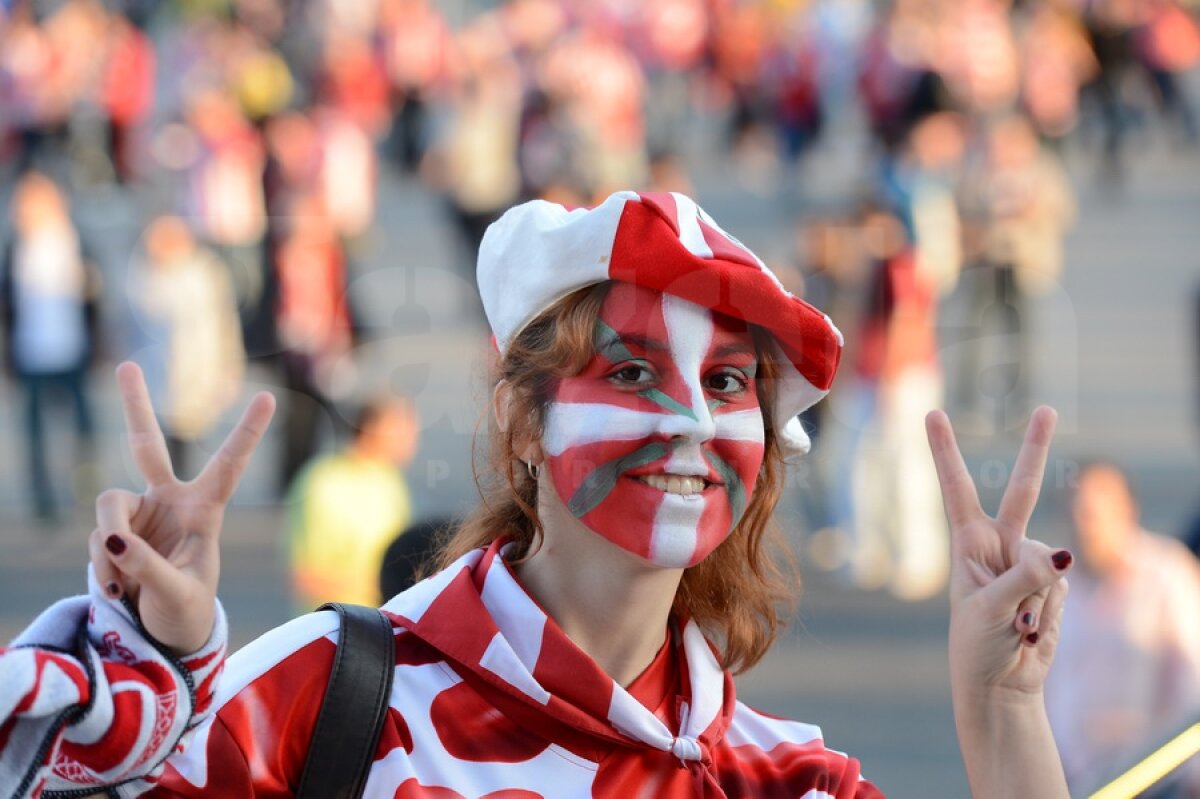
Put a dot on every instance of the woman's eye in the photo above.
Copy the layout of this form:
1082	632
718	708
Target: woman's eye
632	374
729	381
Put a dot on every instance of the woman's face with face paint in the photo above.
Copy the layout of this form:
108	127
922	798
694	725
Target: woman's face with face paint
656	445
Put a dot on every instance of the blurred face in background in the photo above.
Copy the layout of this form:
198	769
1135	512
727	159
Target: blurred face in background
882	235
937	142
168	240
37	203
1013	144
1105	516
389	432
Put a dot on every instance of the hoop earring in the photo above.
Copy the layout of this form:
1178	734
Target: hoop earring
534	469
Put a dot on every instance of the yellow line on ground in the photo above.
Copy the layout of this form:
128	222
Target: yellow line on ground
1160	763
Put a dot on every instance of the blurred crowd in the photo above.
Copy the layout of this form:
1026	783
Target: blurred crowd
260	129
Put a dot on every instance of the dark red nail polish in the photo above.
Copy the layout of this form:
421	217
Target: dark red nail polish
1031	639
113	590
1028	619
114	544
1062	559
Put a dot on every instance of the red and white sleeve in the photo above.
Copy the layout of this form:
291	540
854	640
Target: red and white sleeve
88	700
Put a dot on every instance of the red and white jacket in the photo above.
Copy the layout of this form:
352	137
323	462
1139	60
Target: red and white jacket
491	700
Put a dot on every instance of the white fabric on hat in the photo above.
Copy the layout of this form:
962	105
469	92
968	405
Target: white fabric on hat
539	252
793	394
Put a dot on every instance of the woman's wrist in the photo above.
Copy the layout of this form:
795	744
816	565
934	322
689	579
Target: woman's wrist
985	701
1007	745
994	717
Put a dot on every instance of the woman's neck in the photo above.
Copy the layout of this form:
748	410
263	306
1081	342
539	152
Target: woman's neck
611	604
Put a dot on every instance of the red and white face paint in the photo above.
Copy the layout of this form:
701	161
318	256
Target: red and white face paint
656	445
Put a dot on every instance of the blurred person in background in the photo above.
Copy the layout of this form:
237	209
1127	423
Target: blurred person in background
224	190
319	162
740	34
671	36
313	322
126	92
48	64
549	143
886	492
191	350
1127	673
1111	26
975	53
791	74
417	55
830	276
548	149
78	34
897	82
1017	206
292	169
1168	46
345	507
1056	62
475	161
348	174
412	555
255	73
917	182
1160	42
49	304
602	87
351	79
825	272
669	172
25	59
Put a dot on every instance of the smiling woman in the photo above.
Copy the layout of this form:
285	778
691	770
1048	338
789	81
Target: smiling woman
586	379
581	635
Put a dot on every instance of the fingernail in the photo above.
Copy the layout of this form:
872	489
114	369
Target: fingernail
1062	559
1029	619
1031	639
113	590
114	544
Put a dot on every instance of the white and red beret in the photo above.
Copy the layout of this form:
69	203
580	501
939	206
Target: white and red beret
539	252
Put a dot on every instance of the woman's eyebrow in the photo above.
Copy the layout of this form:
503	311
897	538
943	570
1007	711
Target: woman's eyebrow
615	346
735	349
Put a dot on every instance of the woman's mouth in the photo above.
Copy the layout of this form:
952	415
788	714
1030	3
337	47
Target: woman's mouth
683	485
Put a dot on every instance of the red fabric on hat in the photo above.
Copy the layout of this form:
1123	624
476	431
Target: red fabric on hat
648	252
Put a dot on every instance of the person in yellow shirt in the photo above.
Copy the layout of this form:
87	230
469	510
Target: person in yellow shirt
345	507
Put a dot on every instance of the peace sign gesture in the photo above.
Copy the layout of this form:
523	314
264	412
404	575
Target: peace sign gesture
1006	599
1006	591
159	548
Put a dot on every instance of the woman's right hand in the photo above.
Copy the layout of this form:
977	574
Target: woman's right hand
160	548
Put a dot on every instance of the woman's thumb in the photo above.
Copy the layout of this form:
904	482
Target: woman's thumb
138	560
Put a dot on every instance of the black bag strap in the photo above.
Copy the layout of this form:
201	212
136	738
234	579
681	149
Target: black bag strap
354	708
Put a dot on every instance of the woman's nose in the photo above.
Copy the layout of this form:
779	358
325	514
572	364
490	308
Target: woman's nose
691	420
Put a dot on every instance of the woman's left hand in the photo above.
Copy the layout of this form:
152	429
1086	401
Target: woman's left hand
160	548
1006	591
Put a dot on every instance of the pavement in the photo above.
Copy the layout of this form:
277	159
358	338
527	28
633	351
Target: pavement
1116	355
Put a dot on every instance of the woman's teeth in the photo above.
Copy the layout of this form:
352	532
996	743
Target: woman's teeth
674	483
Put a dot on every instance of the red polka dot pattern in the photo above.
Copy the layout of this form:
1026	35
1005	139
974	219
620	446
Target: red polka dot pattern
471	728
